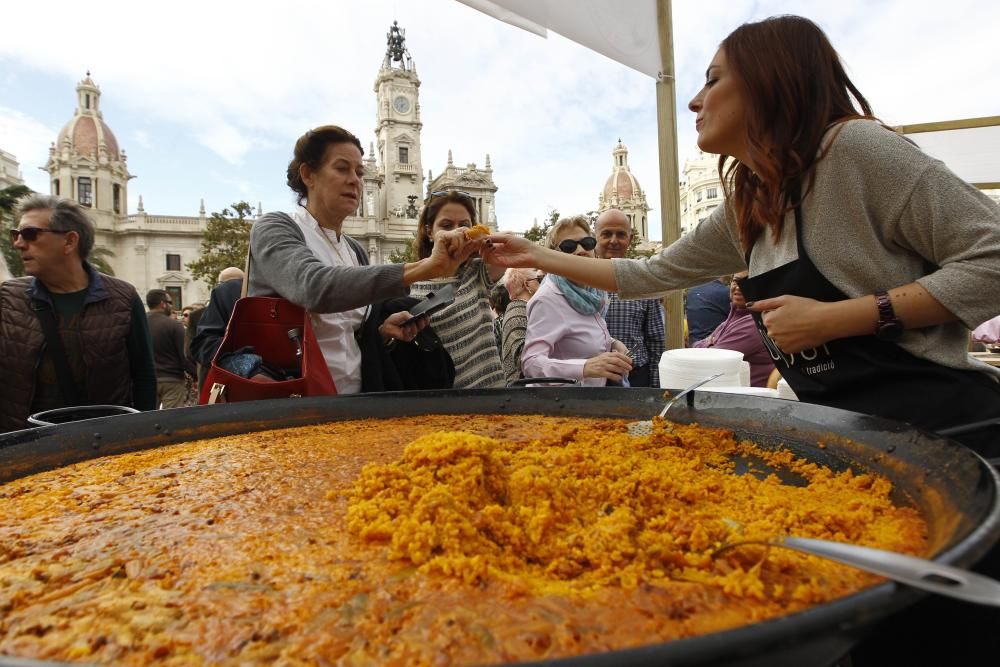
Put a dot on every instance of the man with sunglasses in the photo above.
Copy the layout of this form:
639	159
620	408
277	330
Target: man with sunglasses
638	324
68	334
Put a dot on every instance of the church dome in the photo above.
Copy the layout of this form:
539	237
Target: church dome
87	130
86	133
621	184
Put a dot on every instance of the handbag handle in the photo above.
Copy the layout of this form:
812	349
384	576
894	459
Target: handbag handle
246	273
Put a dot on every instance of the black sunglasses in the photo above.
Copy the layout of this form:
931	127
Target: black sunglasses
569	245
442	193
30	234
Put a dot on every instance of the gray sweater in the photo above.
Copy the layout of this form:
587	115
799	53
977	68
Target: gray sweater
283	264
880	214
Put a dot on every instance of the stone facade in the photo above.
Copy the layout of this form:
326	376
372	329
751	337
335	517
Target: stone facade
150	251
478	183
622	191
701	190
10	170
87	164
386	221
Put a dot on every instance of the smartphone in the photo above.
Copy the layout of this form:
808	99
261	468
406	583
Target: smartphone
432	303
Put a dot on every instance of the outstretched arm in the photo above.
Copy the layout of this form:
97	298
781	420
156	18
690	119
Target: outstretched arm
508	250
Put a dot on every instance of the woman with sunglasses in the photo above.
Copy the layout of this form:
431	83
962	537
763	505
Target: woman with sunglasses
306	258
466	326
567	335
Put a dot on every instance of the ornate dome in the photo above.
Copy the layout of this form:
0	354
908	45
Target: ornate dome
87	130
621	184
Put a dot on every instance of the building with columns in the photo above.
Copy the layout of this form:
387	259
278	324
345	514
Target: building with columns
87	164
622	191
386	220
10	170
700	189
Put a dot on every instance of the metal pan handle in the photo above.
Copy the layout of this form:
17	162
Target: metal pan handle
917	572
77	413
542	380
969	428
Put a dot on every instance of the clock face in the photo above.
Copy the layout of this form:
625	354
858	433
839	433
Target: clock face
401	104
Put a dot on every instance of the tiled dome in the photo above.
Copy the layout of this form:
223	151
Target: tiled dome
87	130
86	133
621	184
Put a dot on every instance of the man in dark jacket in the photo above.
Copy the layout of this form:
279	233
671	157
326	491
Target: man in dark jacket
168	350
68	335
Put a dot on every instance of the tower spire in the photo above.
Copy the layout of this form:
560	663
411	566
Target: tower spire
396	51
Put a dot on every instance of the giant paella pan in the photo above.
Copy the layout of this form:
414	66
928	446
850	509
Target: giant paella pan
950	488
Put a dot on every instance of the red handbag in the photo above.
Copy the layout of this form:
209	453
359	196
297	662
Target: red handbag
264	323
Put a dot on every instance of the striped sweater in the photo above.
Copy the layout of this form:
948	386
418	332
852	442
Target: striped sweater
466	326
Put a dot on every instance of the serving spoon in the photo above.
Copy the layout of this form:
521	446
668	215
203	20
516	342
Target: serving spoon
916	572
646	427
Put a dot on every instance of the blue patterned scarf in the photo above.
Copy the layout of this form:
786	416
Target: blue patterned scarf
584	300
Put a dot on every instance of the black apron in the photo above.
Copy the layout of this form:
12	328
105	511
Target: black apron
870	375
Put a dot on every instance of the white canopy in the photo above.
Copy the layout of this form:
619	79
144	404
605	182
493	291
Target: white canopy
626	32
969	147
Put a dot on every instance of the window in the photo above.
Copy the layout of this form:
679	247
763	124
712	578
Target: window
116	197
55	187
175	296
88	100
83	192
404	155
173	263
712	193
698	198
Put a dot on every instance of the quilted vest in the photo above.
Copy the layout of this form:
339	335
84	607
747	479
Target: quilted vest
103	327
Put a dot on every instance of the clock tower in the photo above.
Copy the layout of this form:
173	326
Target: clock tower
398	131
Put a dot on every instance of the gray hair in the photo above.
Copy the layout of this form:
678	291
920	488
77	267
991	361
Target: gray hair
66	216
580	221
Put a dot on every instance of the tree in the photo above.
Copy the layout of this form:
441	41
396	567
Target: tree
9	197
404	256
99	260
225	243
537	234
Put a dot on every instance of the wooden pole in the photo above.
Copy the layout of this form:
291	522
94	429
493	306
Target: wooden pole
670	207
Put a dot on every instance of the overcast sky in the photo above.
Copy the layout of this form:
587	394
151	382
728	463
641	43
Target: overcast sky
207	98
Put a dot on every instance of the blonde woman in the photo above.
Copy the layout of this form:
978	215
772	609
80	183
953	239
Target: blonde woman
567	335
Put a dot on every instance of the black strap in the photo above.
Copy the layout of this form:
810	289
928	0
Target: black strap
67	385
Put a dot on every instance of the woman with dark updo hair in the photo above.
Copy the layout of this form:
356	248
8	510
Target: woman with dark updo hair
304	257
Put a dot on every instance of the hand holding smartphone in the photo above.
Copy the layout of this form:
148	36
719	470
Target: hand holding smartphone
432	303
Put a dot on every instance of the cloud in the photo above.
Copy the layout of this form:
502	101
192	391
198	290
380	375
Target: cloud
29	140
142	138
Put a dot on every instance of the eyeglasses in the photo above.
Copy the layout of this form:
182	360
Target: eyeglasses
569	245
30	234
443	193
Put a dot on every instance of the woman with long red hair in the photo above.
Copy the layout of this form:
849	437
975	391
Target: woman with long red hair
868	262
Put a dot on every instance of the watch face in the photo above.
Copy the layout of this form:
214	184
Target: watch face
401	104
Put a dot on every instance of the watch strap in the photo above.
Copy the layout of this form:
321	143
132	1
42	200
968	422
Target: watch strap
888	323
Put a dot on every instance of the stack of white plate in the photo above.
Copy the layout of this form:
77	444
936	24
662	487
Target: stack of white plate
683	367
748	391
785	391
